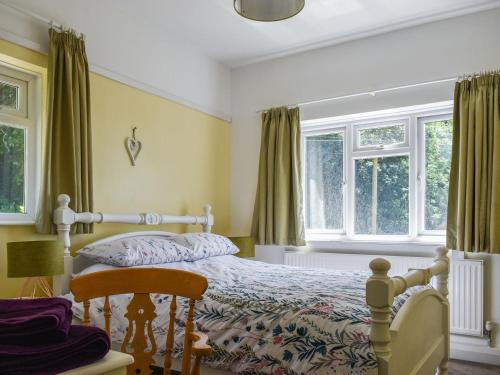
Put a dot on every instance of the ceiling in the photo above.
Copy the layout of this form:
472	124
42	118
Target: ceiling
213	28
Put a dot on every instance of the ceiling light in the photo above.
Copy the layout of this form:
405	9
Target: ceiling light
268	10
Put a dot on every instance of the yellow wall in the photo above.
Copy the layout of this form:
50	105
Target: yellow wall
184	163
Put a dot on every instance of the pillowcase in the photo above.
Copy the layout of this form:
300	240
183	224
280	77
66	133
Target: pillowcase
137	251
205	245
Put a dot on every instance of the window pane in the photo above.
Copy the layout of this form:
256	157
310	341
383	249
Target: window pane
324	181
382	136
8	96
381	195
12	146
438	136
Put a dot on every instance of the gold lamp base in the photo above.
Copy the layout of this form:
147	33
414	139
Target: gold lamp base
36	287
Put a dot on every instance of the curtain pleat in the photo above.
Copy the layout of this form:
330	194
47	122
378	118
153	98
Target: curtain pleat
278	217
474	193
68	148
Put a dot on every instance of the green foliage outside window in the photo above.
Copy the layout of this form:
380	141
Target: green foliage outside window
324	181
438	136
8	95
386	135
381	189
12	146
381	195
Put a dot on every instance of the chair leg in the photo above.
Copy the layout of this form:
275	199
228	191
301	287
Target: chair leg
196	366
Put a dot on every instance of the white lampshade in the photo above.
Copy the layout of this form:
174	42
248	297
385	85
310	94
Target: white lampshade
268	10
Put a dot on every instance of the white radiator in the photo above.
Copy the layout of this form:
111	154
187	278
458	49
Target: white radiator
465	283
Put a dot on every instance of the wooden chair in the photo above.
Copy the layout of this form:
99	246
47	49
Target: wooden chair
141	311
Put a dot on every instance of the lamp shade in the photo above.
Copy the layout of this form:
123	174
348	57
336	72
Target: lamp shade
35	258
246	246
268	10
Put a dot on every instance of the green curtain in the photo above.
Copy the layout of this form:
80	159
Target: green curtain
278	217
68	149
474	195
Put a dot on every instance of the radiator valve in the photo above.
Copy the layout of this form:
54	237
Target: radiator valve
489	327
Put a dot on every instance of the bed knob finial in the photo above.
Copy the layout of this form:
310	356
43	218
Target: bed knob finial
441	251
380	266
209	219
63	200
207	209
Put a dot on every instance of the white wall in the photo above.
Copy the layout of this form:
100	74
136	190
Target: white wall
163	65
428	52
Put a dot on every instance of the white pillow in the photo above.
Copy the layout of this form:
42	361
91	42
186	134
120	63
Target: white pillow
205	245
137	251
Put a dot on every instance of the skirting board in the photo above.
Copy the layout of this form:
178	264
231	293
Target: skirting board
473	349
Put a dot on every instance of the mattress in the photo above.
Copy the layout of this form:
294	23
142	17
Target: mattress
266	319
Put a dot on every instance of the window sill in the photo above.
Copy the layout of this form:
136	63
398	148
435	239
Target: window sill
422	246
423	240
13	219
401	245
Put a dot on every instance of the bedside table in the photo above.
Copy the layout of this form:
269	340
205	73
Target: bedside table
114	363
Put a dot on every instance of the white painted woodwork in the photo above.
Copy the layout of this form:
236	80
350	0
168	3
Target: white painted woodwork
396	342
465	281
64	217
114	363
401	346
417	341
26	117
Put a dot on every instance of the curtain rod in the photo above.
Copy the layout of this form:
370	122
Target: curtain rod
39	18
371	93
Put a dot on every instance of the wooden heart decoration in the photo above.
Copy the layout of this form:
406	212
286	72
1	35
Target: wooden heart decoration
133	147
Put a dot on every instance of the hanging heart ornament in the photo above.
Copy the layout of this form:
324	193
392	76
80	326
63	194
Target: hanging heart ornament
134	147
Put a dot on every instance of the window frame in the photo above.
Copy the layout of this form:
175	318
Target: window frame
332	129
421	176
414	147
28	118
360	126
22	92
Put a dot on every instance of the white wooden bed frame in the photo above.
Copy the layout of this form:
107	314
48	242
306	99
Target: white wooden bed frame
415	342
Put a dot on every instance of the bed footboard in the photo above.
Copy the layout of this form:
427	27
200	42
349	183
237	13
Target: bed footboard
417	341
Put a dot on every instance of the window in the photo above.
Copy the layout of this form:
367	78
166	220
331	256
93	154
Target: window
381	136
325	181
378	176
436	139
381	195
19	147
9	96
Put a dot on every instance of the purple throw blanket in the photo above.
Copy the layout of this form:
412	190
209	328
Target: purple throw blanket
83	346
34	321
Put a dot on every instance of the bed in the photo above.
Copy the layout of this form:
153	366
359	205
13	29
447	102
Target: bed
276	319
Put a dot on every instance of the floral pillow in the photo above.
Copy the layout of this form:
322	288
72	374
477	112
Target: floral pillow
137	251
205	245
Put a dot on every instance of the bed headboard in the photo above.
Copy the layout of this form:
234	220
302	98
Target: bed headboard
64	217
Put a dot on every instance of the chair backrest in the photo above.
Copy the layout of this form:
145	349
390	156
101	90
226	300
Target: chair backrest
141	282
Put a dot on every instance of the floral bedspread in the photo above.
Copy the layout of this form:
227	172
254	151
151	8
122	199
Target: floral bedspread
269	319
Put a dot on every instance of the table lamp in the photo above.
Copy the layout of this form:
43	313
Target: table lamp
246	246
35	260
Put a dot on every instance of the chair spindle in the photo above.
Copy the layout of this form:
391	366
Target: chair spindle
139	340
86	312
186	357
170	337
107	316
